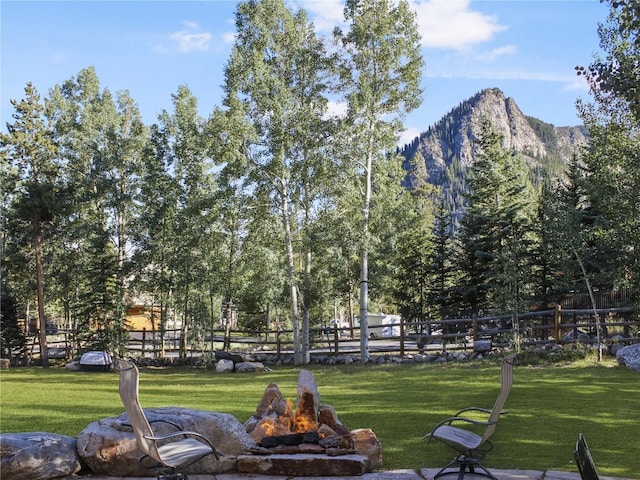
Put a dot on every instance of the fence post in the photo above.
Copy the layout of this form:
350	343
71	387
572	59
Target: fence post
226	346
144	340
278	346
604	333
401	337
335	339
558	322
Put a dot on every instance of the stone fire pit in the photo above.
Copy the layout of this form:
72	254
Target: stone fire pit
308	440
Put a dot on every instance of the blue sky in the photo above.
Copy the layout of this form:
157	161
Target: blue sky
527	48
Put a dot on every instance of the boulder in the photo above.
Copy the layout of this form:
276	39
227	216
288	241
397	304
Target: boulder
234	357
37	456
4	363
629	356
109	447
482	346
250	367
224	366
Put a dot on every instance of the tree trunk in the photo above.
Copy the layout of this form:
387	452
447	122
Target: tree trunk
185	325
298	356
364	267
596	317
37	246
306	299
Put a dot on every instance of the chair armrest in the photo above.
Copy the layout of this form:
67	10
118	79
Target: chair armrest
476	409
450	420
173	424
472	409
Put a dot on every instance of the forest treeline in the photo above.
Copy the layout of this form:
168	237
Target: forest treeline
276	211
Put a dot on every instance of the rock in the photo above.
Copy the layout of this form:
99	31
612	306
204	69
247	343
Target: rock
327	416
37	456
250	367
5	363
272	401
482	346
73	365
225	366
234	357
303	464
367	444
629	356
108	446
308	402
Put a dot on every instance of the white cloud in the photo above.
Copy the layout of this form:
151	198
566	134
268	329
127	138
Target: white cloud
495	53
191	39
336	109
229	37
578	83
569	80
325	14
408	136
451	24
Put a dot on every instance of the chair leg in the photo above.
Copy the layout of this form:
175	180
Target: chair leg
464	463
170	474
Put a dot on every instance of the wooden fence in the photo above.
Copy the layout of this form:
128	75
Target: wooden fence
554	326
558	326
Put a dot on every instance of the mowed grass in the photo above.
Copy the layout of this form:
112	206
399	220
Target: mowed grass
547	408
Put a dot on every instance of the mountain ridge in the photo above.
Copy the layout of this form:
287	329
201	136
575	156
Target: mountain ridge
449	144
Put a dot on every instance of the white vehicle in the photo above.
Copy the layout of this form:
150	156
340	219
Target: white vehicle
383	325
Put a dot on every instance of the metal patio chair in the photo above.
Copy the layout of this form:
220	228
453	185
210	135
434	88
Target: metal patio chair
171	452
472	443
584	460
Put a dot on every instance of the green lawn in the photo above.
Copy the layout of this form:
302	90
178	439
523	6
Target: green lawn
548	406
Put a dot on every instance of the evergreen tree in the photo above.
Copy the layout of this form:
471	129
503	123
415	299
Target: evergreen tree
30	148
498	238
12	338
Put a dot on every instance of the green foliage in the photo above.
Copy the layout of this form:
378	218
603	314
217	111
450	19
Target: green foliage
498	238
617	73
380	70
12	338
289	215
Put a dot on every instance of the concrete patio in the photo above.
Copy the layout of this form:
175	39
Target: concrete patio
424	474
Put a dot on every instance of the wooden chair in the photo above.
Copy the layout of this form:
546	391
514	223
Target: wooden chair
582	455
471	447
169	452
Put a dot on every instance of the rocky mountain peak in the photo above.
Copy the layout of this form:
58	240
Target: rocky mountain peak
452	140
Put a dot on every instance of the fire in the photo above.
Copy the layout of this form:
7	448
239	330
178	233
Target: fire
268	428
302	424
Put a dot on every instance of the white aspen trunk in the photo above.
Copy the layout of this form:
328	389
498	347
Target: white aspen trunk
596	317
364	266
298	357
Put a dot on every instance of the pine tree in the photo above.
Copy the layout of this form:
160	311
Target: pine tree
30	148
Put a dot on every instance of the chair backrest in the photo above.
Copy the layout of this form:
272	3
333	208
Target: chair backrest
506	380
129	378
582	455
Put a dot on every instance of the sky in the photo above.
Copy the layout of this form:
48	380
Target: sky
526	48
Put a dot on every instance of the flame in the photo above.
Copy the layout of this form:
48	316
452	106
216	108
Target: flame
303	424
268	428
